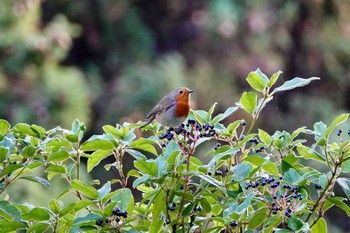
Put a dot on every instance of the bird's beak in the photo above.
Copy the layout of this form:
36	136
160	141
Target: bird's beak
190	91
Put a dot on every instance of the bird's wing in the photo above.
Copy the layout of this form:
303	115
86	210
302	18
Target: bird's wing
162	106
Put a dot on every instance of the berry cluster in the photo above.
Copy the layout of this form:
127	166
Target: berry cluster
114	219
191	128
284	198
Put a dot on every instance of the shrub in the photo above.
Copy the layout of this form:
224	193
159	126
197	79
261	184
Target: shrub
251	181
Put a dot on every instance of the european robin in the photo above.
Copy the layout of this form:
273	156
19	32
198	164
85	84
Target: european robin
172	109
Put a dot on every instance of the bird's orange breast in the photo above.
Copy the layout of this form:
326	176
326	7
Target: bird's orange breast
182	109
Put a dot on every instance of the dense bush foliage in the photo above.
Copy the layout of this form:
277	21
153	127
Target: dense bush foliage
251	180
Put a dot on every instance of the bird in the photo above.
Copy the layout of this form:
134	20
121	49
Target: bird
172	109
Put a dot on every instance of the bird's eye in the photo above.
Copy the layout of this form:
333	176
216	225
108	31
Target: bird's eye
180	92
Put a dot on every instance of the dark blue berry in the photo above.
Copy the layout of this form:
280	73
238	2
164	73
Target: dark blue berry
216	146
226	169
170	136
233	224
209	173
99	222
218	173
243	123
339	132
274	197
181	187
199	208
167	221
242	137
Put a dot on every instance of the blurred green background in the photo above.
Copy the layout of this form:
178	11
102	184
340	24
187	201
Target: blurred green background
109	61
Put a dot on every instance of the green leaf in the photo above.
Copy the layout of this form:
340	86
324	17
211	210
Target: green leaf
143	144
28	151
294	83
345	166
7	226
222	116
273	79
199	115
210	111
123	198
257	219
242	170
68	209
38	180
340	119
9	211
147	166
211	180
58	156
85	189
82	204
59	169
205	205
38	227
55	206
96	157
216	209
3	153
308	153
338	201
104	190
156	225
345	185
248	100
37	213
87	218
10	168
245	204
4	127
187	210
24	130
270	168
256	81
136	154
97	144
319	226
295	223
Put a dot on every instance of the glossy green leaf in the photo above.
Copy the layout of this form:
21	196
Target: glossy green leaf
187	210
96	157
319	226
97	144
24	129
156	225
147	166
38	227
270	168
59	169
338	201
222	116
58	156
4	127
55	206
136	154
8	211
38	180
37	213
68	209
242	170
295	223
123	198
87	218
340	119
85	189
294	83
10	168
274	79
144	145
344	183
104	190
257	219
87	228
256	81
248	101
3	153
7	226
82	204
264	137
28	151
